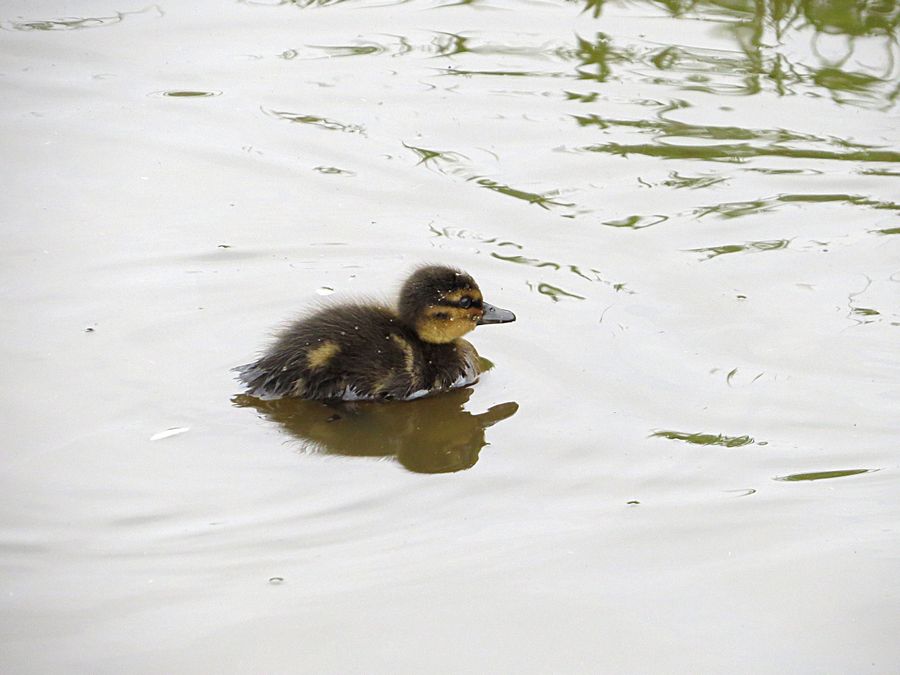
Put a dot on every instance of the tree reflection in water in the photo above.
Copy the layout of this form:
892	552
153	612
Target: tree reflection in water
854	44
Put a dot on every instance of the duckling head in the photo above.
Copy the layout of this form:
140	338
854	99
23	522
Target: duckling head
443	304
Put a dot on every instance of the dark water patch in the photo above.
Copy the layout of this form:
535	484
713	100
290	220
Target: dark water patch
705	439
433	434
748	247
821	475
320	122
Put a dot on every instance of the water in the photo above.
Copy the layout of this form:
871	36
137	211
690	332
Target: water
685	456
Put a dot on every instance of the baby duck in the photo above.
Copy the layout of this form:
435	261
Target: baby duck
366	351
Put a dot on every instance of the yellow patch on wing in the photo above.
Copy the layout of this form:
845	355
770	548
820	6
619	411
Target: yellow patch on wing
318	357
409	356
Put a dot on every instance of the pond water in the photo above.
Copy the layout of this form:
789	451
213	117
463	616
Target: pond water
685	458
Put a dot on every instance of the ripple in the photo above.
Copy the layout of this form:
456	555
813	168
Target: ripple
185	93
333	171
637	222
758	142
432	159
822	475
755	206
321	122
705	439
545	201
555	293
748	247
75	23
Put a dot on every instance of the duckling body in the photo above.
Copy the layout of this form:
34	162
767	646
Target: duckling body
367	351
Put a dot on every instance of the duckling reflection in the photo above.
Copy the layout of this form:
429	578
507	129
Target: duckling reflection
428	435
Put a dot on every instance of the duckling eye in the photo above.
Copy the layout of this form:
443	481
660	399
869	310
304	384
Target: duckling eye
465	302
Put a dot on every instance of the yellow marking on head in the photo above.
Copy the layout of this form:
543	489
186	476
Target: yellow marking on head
445	324
409	356
318	357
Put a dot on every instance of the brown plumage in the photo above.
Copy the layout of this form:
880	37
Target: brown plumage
367	351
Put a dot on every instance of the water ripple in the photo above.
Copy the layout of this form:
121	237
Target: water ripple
314	120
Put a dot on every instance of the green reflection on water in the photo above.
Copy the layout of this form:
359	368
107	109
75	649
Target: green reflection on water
758	142
821	475
678	181
738	209
749	247
555	293
544	201
66	24
738	153
760	29
636	222
321	122
432	158
338	51
433	434
76	23
705	439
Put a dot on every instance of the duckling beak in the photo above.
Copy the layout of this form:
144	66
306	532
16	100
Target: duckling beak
495	315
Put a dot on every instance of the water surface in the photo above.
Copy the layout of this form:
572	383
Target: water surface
685	457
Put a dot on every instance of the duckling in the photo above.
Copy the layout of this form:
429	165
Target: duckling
359	351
